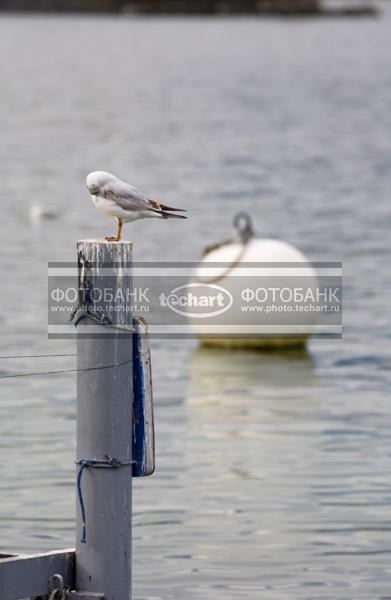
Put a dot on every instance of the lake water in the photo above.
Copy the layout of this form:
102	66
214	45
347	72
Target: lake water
273	471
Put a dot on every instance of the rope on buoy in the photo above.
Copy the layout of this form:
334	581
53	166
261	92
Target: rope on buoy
244	230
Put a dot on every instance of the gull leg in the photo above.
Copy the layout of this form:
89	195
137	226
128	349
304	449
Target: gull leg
115	238
119	231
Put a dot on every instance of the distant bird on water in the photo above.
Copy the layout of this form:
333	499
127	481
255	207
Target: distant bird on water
38	213
124	202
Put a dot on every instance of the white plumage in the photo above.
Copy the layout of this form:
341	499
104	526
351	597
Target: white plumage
125	203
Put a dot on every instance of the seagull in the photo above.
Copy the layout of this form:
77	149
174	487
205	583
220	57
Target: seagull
124	202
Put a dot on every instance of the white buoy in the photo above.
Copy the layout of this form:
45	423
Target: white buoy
247	270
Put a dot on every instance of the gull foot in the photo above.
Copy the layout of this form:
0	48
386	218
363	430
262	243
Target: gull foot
112	238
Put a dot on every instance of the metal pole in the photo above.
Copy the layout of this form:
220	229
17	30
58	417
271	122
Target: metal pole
104	421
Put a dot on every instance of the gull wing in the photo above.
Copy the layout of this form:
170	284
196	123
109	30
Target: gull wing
125	195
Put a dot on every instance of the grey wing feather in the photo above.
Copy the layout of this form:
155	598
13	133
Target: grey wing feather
125	195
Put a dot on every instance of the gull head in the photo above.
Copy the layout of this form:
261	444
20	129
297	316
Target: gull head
97	179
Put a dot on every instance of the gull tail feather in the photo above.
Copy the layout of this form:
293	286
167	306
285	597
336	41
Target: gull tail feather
167	215
171	209
163	207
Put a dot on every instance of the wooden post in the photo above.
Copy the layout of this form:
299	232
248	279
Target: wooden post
104	421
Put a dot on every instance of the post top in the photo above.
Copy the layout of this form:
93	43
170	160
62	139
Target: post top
104	241
107	268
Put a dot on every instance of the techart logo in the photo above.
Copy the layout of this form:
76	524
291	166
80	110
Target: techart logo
198	300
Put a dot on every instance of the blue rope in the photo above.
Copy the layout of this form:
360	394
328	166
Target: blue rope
83	464
108	463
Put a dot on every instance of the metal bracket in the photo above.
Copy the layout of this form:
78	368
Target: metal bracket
56	583
60	592
56	586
